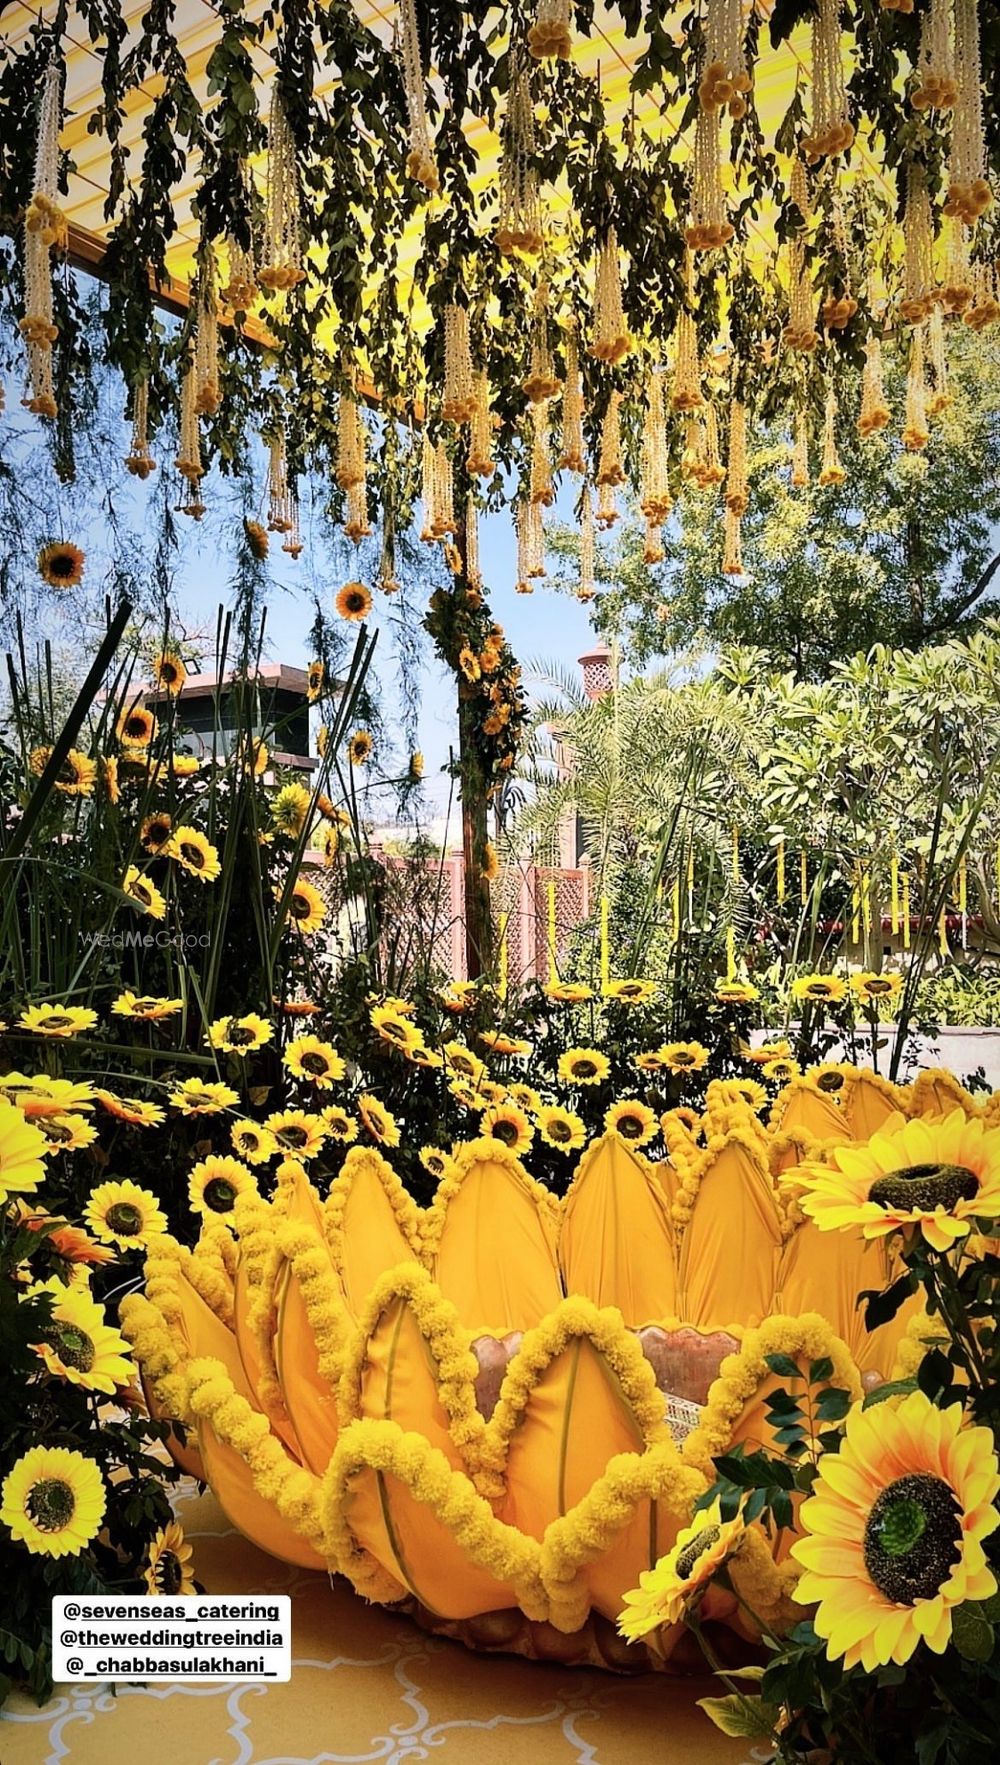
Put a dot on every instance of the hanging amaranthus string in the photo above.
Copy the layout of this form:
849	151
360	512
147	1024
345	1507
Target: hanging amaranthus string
473	571
551	36
206	336
610	469
711	471
519	226
480	462
838	310
708	225
919	283
139	461
936	87
832	130
427	488
831	470
940	398
530	545
572	457
586	590
955	292
542	490
725	80
438	492
279	500
542	381
737	482
241	288
611	340
915	431
421	163
800	451
800	333
292	542
693	451
686	394
655	499
189	461
44	230
458	398
282	266
607	507
732	547
969	194
985	308
875	413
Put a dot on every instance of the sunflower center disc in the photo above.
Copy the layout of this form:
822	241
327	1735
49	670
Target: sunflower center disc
925	1186
830	1081
911	1538
584	1069
192	854
558	1131
124	1219
219	1195
291	1136
73	1346
239	1036
689	1556
505	1132
313	1063
630	1127
50	1505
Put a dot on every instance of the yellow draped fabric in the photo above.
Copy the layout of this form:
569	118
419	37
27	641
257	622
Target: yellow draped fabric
729	1250
495	1256
616	1243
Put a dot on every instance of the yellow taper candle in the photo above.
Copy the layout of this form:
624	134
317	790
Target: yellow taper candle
605	958
730	952
963	887
943	933
502	956
906	910
553	967
894	892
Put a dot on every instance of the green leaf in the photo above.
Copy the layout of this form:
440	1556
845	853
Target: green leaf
833	1404
820	1370
783	1365
743	1718
971	1632
891	1388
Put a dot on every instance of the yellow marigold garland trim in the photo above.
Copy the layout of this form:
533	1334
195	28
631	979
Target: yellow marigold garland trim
854	1077
309	1261
155	1347
262	1322
921	1101
588	1157
503	1552
291	1490
405	1209
695	1170
465	1159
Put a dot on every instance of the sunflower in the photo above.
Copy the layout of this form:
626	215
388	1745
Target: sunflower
168	1566
458	996
938	1174
136	726
415	768
254	756
306	907
631	992
310	1058
392	1002
468	662
418	1054
290	808
61	564
57	1020
377	1122
109	778
781	1069
359	747
76	776
561	1128
339	1125
314	681
327	841
894	1527
77	1344
121	1213
169	673
568	992
258	540
631	1121
393	1028
202	1097
297	1132
53	1501
682	1057
43	1095
767	1051
140	889
819	989
468	1094
735	993
239	1035
676	1579
461	1061
297	1008
253	1142
68	1133
184	765
508	1124
583	1066
215	1183
194	853
354	601
436	1161
491	863
526	1097
876	989
155	831
72	1243
501	1044
746	1091
22	1149
149	1007
651	1060
130	1109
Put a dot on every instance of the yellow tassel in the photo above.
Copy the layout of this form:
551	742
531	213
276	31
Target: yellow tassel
803	877
605	956
675	908
943	933
730	952
553	968
894	891
906	910
502	957
781	871
855	914
963	888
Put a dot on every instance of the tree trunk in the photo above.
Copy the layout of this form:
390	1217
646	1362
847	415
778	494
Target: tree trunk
472	793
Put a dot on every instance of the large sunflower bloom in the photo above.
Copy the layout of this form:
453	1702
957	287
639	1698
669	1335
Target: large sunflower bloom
253	1142
57	1020
508	1124
631	992
22	1150
202	1097
895	1527
308	1057
156	830
215	1183
148	1007
681	1057
78	1345
632	1121
168	1568
145	892
136	726
297	1133
876	989
290	808
169	672
665	1590
359	747
76	776
819	989
53	1501
390	1024
938	1174
194	853
306	908
239	1035
378	1122
354	601
61	564
583	1066
121	1213
561	1129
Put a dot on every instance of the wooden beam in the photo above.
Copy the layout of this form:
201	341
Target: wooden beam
85	251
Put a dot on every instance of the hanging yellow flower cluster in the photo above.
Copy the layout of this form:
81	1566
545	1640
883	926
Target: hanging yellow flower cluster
458	400
655	499
686	394
611	341
139	461
831	470
421	163
969	194
551	36
725	80
44	230
530	545
838	310
708	226
542	488
610	469
800	333
572	457
586	590
985	308
955	292
832	131
206	337
351	470
875	413
438	492
519	226
711	471
936	88
800	451
919	283
282	266
915	431
279	501
189	461
480	462
241	288
542	382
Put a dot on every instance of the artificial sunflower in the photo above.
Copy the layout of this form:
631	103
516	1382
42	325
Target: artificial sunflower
121	1213
631	992
141	889
109	778
169	673
491	863
22	1150
583	1066
819	989
68	1133
651	1060
239	1035
877	989
392	1002
314	681
561	1128
460	1060
327	841
415	768
632	1121
136	726
202	1097
130	1109
60	1021
568	992
296	1132
354	601
458	996
61	564
526	1097
254	1143
194	853
306	907
42	1095
767	1051
168	1566
508	1124
683	1574
72	1243
895	1525
937	1173
781	1070
53	1501
747	1091
468	663
339	1125
680	1057
418	1054
297	1008
498	1043
78	1345
290	809
435	1160
393	1028
468	1094
147	1006
377	1122
215	1183
736	992
359	747
76	776
307	1057
155	831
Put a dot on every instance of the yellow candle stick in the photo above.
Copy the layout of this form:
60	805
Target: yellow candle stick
963	888
780	873
675	904
502	957
553	968
906	909
866	900
894	891
605	958
855	914
803	876
730	952
943	933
